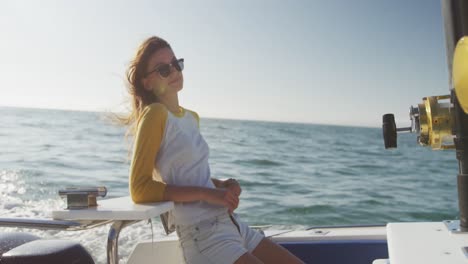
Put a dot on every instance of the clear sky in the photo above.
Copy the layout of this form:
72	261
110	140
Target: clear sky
325	61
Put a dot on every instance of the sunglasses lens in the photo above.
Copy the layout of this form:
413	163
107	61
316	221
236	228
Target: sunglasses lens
164	70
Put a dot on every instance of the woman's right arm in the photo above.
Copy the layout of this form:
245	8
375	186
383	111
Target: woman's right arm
148	138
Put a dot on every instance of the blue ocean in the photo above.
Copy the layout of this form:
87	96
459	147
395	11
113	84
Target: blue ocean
293	175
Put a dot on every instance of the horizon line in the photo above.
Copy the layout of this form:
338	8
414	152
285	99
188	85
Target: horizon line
207	117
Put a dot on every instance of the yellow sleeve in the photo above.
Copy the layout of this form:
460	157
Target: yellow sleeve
150	131
196	117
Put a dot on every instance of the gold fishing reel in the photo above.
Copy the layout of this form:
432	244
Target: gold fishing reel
434	118
435	122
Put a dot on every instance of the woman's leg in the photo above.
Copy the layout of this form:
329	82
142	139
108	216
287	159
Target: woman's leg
248	258
269	253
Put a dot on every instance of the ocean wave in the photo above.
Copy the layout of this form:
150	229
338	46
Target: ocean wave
259	162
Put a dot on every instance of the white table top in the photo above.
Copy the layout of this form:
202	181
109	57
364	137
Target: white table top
121	208
425	243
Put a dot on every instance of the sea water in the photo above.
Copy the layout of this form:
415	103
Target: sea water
292	175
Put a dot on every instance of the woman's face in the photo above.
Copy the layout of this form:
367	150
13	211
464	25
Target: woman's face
159	85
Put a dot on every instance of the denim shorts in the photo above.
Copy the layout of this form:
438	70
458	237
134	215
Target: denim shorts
217	240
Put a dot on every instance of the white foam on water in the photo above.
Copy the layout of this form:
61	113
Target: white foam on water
9	205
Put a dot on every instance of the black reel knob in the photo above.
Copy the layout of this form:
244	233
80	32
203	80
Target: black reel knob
389	131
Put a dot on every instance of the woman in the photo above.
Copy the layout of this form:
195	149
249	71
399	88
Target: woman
170	163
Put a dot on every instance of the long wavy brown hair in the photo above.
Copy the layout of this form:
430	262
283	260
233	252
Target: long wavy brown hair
136	72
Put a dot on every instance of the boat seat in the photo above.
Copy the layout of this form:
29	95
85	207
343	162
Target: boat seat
48	251
10	240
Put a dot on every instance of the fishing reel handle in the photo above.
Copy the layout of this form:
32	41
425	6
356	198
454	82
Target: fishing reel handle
390	130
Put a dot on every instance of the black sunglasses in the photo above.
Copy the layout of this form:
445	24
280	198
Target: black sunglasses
164	70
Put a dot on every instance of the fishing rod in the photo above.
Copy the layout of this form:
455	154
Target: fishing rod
441	122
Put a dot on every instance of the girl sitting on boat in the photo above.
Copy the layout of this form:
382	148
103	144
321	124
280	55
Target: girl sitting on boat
170	163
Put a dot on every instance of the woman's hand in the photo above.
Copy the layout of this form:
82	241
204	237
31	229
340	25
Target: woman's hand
233	184
225	197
